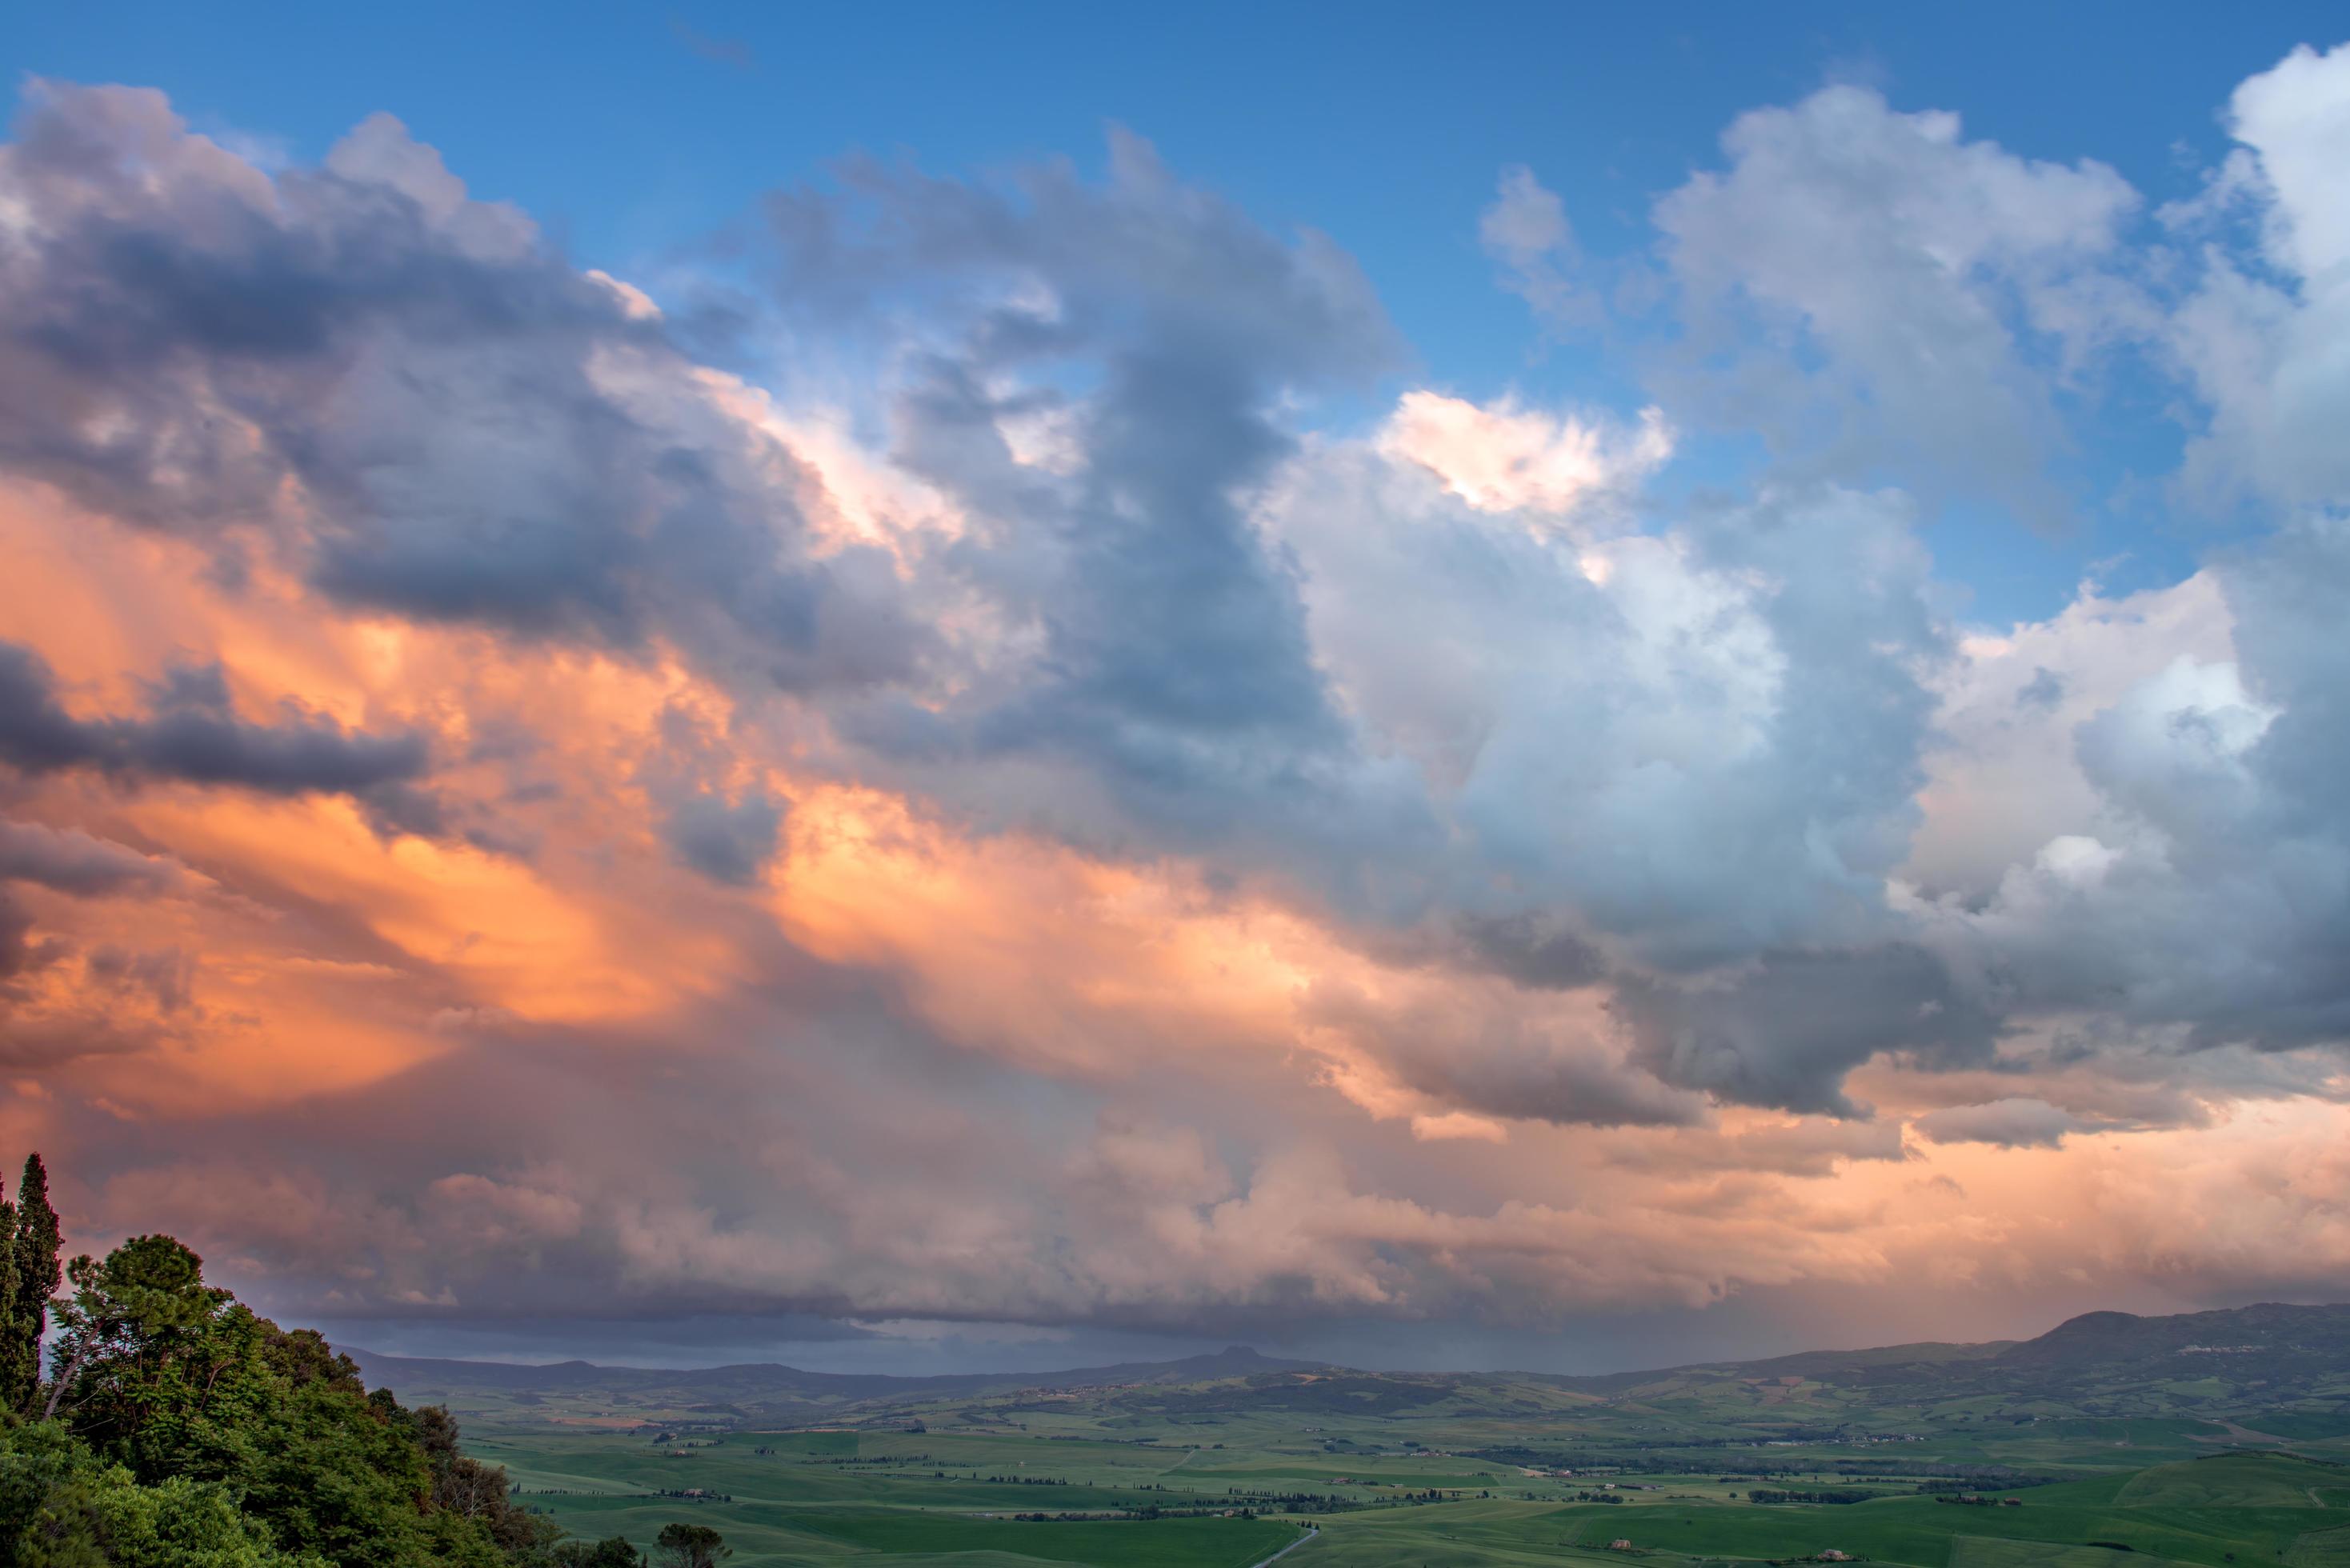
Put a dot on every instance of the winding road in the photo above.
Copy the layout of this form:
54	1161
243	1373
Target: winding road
1312	1532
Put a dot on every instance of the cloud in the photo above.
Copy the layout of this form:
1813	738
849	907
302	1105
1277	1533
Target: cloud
1682	691
192	736
1150	654
2265	337
1786	1033
2003	774
716	816
1482	1055
2176	841
1940	285
1505	459
1531	951
726	841
1808	1147
1526	230
72	861
427	411
1255	842
2012	1124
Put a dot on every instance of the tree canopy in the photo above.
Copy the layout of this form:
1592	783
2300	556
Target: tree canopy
179	1429
690	1546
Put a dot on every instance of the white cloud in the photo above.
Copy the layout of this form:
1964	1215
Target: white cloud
1526	230
1924	281
2296	117
2266	338
1503	457
2003	774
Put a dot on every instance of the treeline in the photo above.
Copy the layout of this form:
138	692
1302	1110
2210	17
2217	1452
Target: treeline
1970	1477
178	1428
1098	1517
1648	1461
1824	1495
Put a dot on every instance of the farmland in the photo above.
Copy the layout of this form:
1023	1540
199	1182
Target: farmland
908	1497
2086	1446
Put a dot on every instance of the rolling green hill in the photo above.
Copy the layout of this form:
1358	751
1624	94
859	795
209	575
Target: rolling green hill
905	1498
2209	1440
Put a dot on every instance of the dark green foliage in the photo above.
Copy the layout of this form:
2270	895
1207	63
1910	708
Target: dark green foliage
465	1488
15	1389
171	1379
28	1277
61	1508
614	1552
690	1546
188	1432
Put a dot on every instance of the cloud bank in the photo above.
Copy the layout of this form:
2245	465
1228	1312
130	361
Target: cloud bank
999	793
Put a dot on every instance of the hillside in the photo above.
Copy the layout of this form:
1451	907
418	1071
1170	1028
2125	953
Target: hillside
771	1391
2206	1437
2258	1372
2285	1369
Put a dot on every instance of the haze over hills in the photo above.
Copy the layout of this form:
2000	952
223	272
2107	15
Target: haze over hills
2264	1370
397	1371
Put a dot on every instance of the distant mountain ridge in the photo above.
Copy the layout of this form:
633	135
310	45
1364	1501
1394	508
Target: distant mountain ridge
2093	1340
2268	1368
2266	1372
403	1373
2120	1335
2098	1338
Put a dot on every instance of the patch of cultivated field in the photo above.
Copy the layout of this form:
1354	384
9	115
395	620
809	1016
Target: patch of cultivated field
900	1498
1979	1552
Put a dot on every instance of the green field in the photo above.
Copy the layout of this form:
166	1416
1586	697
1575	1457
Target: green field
892	1497
1977	1552
2112	1440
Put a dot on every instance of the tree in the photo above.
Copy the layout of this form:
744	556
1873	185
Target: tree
167	1377
60	1507
34	1278
181	1430
465	1486
690	1546
11	1396
142	1342
141	1323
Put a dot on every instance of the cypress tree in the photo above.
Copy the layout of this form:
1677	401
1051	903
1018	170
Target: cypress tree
8	1294
34	1255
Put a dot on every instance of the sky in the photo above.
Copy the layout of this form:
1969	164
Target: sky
914	689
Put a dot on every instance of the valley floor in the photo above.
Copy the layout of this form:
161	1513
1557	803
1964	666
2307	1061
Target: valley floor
888	1499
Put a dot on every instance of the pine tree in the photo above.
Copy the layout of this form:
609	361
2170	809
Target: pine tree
9	1399
38	1276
